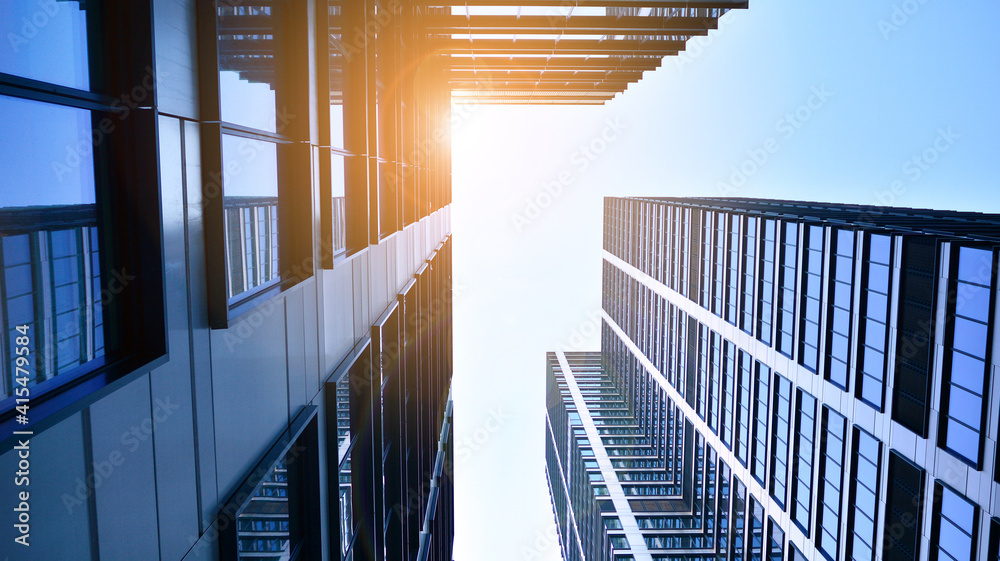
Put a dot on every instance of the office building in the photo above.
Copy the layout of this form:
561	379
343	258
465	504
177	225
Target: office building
225	291
783	380
225	259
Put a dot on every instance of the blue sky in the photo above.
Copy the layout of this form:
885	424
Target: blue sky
862	101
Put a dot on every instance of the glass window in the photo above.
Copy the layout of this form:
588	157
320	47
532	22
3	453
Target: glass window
765	288
50	260
739	517
775	541
802	462
786	287
254	74
707	269
761	399
874	331
748	281
840	307
719	266
744	399
732	270
728	375
338	202
48	41
812	280
966	343
779	438
953	536
864	496
251	213
756	551
251	58
831	473
704	352
715	379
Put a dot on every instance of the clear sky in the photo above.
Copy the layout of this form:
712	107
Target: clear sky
861	101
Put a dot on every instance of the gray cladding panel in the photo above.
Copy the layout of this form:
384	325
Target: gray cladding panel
250	390
122	440
294	335
200	360
60	520
176	483
338	314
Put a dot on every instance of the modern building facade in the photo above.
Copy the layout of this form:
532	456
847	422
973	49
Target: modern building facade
225	283
783	380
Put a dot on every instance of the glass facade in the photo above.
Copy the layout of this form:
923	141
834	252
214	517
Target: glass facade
795	394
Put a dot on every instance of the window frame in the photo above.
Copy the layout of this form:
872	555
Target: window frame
293	160
948	349
128	216
302	431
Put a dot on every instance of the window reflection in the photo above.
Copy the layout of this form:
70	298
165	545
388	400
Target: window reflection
841	304
264	527
874	320
47	41
251	213
50	266
251	59
966	359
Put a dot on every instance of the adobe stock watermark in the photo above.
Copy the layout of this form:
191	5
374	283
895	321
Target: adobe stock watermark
786	127
582	333
899	16
121	109
542	542
469	445
917	165
130	440
581	159
31	26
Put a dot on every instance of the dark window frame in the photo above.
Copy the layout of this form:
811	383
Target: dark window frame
294	169
127	211
949	343
302	432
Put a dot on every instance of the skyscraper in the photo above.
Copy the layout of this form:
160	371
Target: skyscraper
783	379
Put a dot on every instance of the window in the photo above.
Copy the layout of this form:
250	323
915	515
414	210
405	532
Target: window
277	507
812	281
704	352
967	336
247	155
831	473
733	270
802	462
761	398
744	398
748	280
756	552
861	518
728	389
775	541
715	379
719	267
874	330
786	287
903	512
765	283
739	517
779	438
954	526
81	296
841	303
707	268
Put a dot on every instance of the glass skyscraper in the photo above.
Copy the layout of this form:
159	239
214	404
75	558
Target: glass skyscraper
783	380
